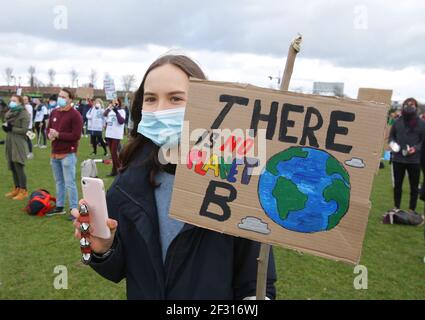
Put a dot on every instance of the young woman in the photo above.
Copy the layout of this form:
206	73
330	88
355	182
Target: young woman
28	106
40	120
162	258
407	135
95	124
115	119
16	126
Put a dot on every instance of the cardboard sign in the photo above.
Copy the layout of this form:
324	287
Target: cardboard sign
85	93
377	95
382	96
109	87
300	178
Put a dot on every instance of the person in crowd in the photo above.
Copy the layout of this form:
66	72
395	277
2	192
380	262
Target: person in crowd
64	130
115	119
16	127
52	103
95	124
406	137
3	110
84	105
422	163
40	120
127	117
162	258
30	110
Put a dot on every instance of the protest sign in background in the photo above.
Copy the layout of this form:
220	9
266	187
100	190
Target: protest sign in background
377	95
109	87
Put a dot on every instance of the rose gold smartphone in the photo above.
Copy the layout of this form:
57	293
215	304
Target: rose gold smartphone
94	194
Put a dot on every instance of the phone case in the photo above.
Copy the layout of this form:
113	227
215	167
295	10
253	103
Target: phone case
94	194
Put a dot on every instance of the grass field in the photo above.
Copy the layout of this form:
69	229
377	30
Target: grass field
31	247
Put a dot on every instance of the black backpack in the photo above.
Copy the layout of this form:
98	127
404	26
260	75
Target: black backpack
402	217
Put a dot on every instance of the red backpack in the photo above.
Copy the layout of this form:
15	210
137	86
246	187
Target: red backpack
40	202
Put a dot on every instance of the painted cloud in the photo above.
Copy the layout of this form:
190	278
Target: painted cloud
254	224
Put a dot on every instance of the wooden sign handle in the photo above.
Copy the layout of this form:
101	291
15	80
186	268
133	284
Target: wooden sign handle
263	265
293	50
263	259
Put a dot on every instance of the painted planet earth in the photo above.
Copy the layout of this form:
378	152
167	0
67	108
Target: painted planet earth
304	190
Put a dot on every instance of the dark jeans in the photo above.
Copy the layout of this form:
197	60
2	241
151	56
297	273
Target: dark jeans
113	146
414	172
19	177
95	138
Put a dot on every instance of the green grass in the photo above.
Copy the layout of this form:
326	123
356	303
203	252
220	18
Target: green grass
31	247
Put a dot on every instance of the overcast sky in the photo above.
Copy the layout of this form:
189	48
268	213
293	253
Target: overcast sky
374	43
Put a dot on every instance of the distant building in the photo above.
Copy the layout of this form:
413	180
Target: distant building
329	88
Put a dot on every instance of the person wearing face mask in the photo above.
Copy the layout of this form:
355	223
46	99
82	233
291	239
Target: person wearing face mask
30	109
406	137
162	258
115	119
16	127
95	124
84	105
64	130
52	103
41	116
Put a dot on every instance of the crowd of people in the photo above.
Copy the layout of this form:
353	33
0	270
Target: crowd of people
155	253
63	121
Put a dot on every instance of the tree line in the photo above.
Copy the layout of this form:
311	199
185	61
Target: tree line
127	81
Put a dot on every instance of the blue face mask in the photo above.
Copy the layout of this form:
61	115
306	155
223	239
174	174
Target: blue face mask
62	102
162	126
13	105
52	104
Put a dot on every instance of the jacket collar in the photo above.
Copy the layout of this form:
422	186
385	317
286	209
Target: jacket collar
134	185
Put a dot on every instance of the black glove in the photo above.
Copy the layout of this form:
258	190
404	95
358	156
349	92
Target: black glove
8	128
115	109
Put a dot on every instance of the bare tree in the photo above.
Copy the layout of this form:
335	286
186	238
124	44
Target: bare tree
31	71
128	81
8	75
38	82
93	78
74	76
52	73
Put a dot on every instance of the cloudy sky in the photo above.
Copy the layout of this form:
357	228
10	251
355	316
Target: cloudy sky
372	43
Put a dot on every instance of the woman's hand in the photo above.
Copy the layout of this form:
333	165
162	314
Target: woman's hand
411	150
98	245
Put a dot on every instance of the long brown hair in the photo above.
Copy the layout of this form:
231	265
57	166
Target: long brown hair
20	98
405	102
137	141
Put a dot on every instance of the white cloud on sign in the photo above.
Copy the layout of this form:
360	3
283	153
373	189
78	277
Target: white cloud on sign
254	224
355	162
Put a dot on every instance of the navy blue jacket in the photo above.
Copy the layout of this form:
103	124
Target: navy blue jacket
200	264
